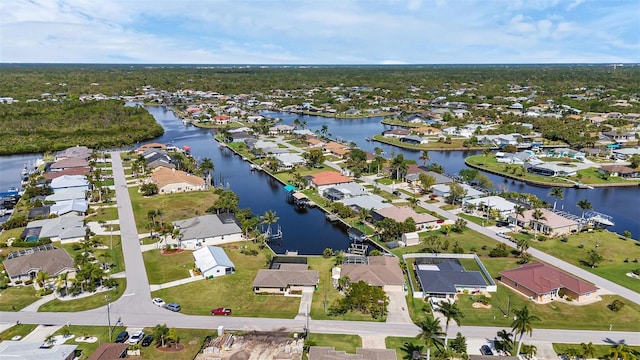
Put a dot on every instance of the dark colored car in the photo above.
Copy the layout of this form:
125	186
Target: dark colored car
147	340
122	337
486	350
221	311
173	307
396	193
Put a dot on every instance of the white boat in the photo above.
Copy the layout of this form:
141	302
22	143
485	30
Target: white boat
601	220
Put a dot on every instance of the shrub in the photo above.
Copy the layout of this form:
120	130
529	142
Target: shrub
28	282
616	305
636	271
565	239
569	298
542	238
581	246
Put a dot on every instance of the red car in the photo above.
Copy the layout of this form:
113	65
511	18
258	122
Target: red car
221	311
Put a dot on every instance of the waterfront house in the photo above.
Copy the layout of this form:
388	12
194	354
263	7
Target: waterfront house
76	152
281	129
68	163
171	181
84	171
287	279
550	169
619	171
72	206
151	146
336	149
212	262
67	194
414	140
66	229
552	223
402	213
326	179
344	191
25	264
443	191
396	133
68	182
428	130
222	119
443	277
542	283
367	202
208	230
288	161
380	271
503	206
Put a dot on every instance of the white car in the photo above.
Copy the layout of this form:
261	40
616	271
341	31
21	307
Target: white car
136	337
158	302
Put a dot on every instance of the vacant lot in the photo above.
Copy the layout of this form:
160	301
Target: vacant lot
163	268
233	291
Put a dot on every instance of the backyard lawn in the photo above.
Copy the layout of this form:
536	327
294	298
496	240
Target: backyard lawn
164	268
233	291
614	249
174	207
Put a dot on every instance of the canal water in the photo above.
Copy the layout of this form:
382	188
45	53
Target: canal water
308	232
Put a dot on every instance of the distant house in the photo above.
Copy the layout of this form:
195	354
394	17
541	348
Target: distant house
552	223
396	133
402	213
69	181
154	146
326	179
281	129
25	350
68	163
503	206
542	283
212	262
76	152
336	149
414	140
25	264
171	181
620	171
443	191
344	191
380	271
208	230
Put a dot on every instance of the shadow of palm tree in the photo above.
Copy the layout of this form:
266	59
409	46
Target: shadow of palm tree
410	349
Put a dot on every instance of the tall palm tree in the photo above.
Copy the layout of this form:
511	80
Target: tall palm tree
519	211
538	216
451	312
269	218
506	340
207	167
425	157
413	202
556	193
588	350
584	205
523	324
431	333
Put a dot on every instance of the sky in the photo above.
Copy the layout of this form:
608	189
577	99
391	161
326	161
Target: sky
315	32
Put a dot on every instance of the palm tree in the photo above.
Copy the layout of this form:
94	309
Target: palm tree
556	193
269	218
621	352
506	340
451	312
207	167
519	211
41	277
523	324
324	130
584	205
425	157
523	244
431	333
538	216
413	202
588	350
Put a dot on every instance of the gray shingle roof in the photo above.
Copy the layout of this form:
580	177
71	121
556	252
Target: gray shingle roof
206	226
268	278
52	262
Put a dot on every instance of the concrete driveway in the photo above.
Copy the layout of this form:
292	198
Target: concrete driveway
397	312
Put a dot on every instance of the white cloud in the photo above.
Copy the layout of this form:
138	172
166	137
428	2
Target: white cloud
574	4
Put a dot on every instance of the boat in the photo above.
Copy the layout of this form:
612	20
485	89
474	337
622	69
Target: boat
256	167
368	138
583	186
599	218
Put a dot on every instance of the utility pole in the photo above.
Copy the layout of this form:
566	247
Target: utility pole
106	298
307	332
111	235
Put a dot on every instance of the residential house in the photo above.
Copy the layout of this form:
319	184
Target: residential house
367	202
442	277
543	283
84	171
428	130
380	271
552	223
72	206
68	182
25	350
67	194
110	351
25	264
208	230
222	119
212	262
402	213
626	153
344	191
76	152
151	146
414	140
288	279
396	133
66	229
326	179
503	206
550	169
620	171
68	163
281	129
171	181
470	192
289	160
335	149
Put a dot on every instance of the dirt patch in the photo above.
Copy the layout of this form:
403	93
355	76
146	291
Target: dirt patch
254	345
172	252
170	349
479	305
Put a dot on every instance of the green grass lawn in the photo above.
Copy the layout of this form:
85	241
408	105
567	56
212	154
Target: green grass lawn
327	295
602	351
469	240
91	302
233	291
17	330
164	268
614	249
477	220
404	346
8	234
18	296
113	257
555	315
174	207
103	214
192	339
101	332
340	342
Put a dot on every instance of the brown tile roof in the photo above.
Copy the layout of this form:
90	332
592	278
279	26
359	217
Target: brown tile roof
553	220
109	351
329	178
268	278
618	169
146	147
401	213
69	163
541	279
53	262
163	176
381	271
70	171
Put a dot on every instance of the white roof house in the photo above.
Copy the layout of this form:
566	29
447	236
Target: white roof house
67	194
213	262
505	207
443	190
70	181
34	351
67	228
289	160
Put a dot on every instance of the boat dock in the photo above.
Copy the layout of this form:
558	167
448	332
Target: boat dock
597	218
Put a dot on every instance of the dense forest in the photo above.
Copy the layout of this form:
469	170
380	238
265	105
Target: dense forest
49	125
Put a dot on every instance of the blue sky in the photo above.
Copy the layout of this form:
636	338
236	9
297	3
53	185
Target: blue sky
320	31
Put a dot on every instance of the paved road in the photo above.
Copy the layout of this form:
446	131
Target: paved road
572	269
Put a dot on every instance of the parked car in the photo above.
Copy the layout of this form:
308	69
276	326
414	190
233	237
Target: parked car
221	311
122	337
486	350
173	307
158	302
136	337
397	193
147	340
